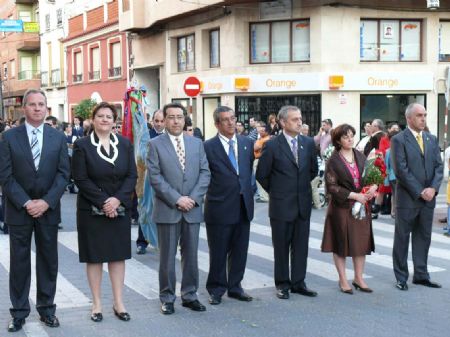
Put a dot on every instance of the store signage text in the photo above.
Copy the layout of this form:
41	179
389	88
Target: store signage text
288	84
382	82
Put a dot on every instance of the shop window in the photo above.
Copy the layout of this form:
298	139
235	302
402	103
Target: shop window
388	107
390	40
279	41
444	41
186	53
214	48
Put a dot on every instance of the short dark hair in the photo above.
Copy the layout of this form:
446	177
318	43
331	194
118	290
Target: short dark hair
173	105
52	119
328	121
187	122
338	132
105	105
65	125
218	110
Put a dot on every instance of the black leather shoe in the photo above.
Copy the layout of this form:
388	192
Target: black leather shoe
214	299
50	321
16	324
194	305
364	290
427	283
304	291
241	296
283	294
96	317
401	285
123	316
167	308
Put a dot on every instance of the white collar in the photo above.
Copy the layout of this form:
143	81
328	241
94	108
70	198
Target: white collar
113	141
289	138
415	133
30	128
226	139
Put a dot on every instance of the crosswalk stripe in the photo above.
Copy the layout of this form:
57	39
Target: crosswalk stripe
375	258
389	243
252	278
67	295
436	237
35	329
138	276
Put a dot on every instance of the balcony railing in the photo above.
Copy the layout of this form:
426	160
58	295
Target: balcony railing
29	75
56	78
44	79
115	72
94	75
77	78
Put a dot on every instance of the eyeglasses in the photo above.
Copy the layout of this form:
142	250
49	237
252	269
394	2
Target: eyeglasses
228	120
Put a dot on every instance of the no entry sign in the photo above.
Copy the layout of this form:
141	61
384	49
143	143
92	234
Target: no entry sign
192	86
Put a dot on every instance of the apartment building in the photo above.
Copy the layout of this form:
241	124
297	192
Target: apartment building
96	55
19	55
350	61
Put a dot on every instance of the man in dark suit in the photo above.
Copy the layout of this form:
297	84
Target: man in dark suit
180	176
34	171
77	129
228	207
419	170
287	165
157	130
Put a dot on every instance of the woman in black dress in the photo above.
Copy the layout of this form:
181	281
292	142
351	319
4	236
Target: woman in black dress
104	169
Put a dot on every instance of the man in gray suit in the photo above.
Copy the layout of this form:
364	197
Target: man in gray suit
418	168
34	171
179	174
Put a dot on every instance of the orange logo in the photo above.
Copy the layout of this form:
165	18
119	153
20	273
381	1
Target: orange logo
410	26
301	25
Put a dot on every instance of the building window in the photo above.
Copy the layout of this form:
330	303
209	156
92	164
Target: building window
5	71
186	53
26	68
94	73
214	48
47	22
115	69
444	41
390	40
59	19
12	68
279	41
25	16
78	67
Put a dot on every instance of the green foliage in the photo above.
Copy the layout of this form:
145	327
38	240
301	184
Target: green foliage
373	173
84	108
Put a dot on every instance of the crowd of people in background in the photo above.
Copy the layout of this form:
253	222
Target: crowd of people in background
217	182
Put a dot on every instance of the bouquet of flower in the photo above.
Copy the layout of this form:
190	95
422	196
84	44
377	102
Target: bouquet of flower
374	174
328	152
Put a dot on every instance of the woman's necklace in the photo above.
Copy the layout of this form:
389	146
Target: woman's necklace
350	162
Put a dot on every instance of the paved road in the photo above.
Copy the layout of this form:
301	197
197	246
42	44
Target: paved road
386	312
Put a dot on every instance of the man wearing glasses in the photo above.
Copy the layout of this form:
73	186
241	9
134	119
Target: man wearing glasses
180	176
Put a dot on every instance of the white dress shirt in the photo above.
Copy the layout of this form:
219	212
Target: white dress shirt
40	134
174	142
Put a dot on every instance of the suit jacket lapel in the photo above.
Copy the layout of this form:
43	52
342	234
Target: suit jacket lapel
25	144
220	151
286	148
46	144
171	150
301	152
413	141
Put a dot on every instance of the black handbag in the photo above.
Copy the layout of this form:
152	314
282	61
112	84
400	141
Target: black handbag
99	212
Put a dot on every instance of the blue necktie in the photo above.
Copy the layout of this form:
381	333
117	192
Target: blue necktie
231	155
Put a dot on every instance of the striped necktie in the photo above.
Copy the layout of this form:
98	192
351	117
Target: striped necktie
35	149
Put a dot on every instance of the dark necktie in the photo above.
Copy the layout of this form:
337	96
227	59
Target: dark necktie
295	149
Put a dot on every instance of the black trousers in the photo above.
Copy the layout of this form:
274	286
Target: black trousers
290	241
228	246
46	240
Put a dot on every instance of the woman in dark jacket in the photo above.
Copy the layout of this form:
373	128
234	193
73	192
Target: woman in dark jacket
345	235
104	169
